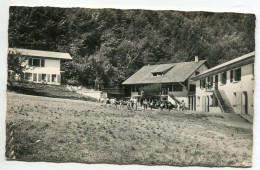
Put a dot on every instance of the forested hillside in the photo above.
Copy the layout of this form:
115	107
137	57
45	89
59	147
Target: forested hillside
112	44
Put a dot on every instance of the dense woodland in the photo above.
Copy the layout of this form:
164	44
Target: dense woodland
111	44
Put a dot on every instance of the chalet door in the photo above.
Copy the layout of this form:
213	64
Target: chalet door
244	103
203	103
239	102
216	82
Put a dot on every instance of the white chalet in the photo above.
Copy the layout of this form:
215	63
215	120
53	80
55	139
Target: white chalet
43	66
228	87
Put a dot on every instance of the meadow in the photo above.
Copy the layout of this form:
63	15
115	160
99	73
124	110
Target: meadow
63	130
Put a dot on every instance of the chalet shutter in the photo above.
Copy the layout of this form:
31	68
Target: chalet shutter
42	62
30	61
39	77
48	77
231	75
58	78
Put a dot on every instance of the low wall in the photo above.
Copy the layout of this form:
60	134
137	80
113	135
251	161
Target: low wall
93	94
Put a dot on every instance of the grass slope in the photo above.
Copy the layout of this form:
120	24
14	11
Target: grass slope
56	91
80	131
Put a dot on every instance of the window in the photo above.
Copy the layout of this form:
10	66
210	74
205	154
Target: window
53	78
157	74
202	83
169	87
28	76
177	87
231	75
36	62
34	76
192	87
237	74
43	77
209	82
224	78
197	72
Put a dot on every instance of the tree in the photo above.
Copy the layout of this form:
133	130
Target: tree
15	65
152	91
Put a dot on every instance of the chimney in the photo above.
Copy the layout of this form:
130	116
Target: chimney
196	59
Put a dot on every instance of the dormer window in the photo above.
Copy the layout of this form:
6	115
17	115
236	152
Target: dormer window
157	74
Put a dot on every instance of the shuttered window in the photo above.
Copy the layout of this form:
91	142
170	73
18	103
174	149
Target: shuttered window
237	74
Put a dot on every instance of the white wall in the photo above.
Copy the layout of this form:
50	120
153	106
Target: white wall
52	66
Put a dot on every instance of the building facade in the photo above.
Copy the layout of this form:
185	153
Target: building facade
43	66
175	80
228	87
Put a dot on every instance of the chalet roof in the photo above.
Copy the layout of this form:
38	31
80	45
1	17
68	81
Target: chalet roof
237	62
38	53
176	72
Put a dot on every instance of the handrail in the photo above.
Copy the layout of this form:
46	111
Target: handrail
221	107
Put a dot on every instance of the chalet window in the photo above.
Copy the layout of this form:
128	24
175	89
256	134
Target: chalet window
231	75
53	78
177	87
237	74
157	74
36	62
202	83
169	87
192	87
43	77
224	78
34	76
28	76
211	81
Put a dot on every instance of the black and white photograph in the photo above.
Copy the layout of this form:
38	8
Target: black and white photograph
130	86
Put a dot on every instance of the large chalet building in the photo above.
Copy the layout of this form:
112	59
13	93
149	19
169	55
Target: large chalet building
174	78
228	87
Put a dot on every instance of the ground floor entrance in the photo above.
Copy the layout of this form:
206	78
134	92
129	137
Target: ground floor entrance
240	103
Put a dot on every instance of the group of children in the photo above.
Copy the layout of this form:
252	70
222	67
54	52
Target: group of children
132	104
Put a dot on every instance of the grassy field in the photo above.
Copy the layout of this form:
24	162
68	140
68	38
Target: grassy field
47	90
62	130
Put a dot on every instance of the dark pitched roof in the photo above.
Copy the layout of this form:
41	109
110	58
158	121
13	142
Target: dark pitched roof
177	72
